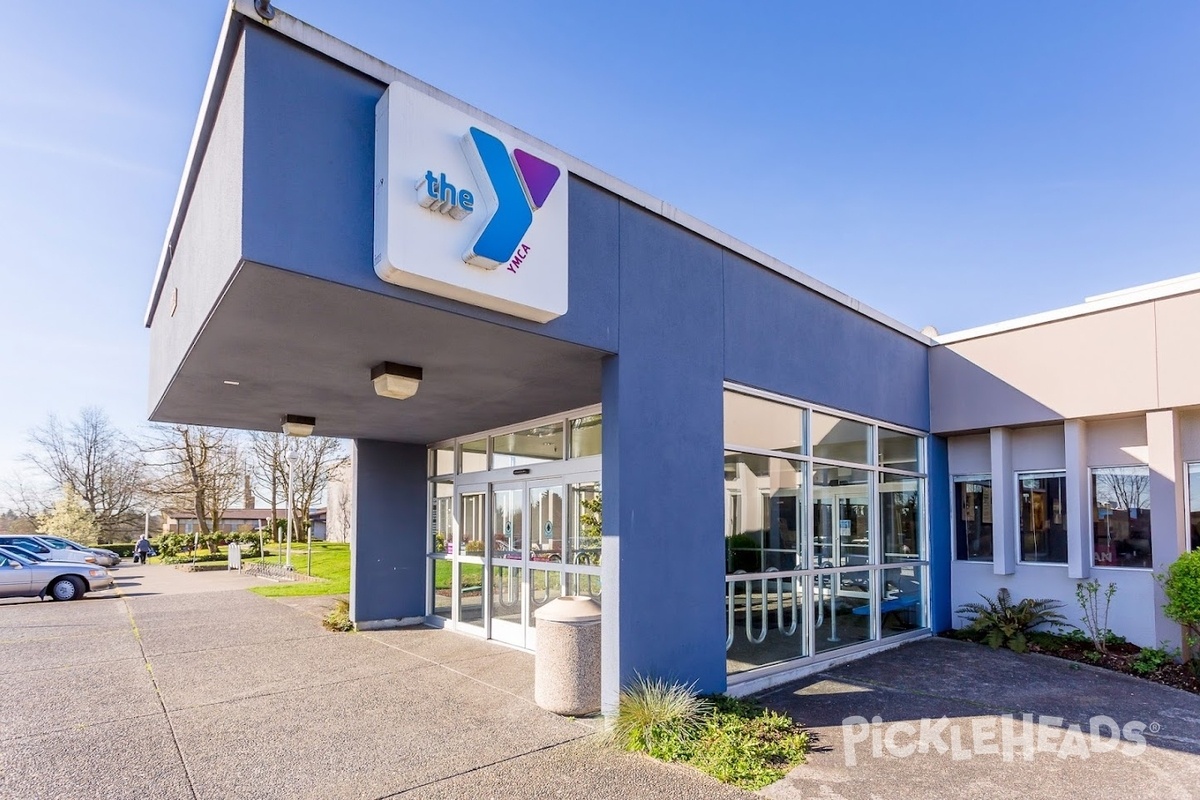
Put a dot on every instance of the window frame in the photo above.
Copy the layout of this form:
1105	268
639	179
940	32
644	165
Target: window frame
1091	472
972	477
1018	518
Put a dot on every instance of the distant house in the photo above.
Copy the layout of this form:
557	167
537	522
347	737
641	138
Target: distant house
317	519
232	519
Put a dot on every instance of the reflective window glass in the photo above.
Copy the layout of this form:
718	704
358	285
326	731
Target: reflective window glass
973	519
763	497
1194	505
900	517
531	446
840	439
841	516
585	436
473	456
441	461
899	450
441	520
763	424
1043	520
1121	517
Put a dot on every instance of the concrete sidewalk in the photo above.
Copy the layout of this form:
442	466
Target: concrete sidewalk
166	692
974	687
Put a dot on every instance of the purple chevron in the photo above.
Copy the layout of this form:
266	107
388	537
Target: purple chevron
538	176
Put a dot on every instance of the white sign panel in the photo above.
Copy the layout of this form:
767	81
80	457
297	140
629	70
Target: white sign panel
465	212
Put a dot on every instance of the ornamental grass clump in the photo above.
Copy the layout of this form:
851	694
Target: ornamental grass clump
1002	622
338	619
735	741
657	717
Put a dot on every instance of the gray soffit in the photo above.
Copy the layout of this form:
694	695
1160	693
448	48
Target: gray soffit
300	345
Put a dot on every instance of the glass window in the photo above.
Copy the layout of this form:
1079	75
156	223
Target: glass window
1121	517
441	460
900	518
1194	505
441	519
763	424
899	450
973	519
531	446
473	456
586	527
844	610
900	599
1043	517
840	439
585	436
762	513
841	516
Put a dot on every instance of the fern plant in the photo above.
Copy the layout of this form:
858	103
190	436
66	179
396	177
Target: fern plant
1001	622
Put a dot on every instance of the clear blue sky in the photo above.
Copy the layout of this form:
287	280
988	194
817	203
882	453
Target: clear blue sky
948	163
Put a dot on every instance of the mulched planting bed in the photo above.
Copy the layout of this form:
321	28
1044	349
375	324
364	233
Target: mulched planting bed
1121	657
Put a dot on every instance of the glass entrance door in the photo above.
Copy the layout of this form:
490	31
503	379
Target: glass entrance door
508	564
517	545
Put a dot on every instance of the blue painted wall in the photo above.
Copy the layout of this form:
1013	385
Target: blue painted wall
663	467
938	491
310	166
387	570
784	338
682	315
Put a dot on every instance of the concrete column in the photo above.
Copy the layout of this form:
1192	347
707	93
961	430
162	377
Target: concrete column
387	559
1079	509
1168	512
1004	504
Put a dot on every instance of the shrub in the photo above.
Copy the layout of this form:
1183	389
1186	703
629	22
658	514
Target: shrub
1151	659
746	745
474	548
1095	613
123	549
169	544
657	717
338	619
1002	622
1181	585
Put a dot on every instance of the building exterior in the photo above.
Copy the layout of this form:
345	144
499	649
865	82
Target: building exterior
1073	437
740	463
232	519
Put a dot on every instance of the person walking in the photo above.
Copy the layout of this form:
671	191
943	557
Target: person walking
142	550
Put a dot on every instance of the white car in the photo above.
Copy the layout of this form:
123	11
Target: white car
52	550
104	557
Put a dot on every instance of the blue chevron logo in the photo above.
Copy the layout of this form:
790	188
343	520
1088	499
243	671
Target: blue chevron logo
520	184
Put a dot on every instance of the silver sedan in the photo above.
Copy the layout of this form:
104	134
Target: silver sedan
21	575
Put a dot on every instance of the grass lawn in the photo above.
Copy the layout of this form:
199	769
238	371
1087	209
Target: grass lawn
330	561
472	575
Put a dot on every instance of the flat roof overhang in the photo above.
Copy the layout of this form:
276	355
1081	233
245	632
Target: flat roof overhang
295	344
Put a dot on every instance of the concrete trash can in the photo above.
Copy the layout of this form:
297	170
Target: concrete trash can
566	674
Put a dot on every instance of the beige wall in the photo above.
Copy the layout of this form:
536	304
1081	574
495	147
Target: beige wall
1117	361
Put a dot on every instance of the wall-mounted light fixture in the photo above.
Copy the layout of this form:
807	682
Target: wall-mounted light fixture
397	381
296	425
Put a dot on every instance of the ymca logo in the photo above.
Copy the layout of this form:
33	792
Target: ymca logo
517	185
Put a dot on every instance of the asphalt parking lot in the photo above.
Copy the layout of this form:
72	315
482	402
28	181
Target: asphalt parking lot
183	686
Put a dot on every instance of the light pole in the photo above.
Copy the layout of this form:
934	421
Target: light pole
291	512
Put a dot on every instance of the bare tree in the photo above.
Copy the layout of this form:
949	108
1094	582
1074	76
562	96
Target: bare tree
315	458
268	459
1124	488
96	461
201	469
